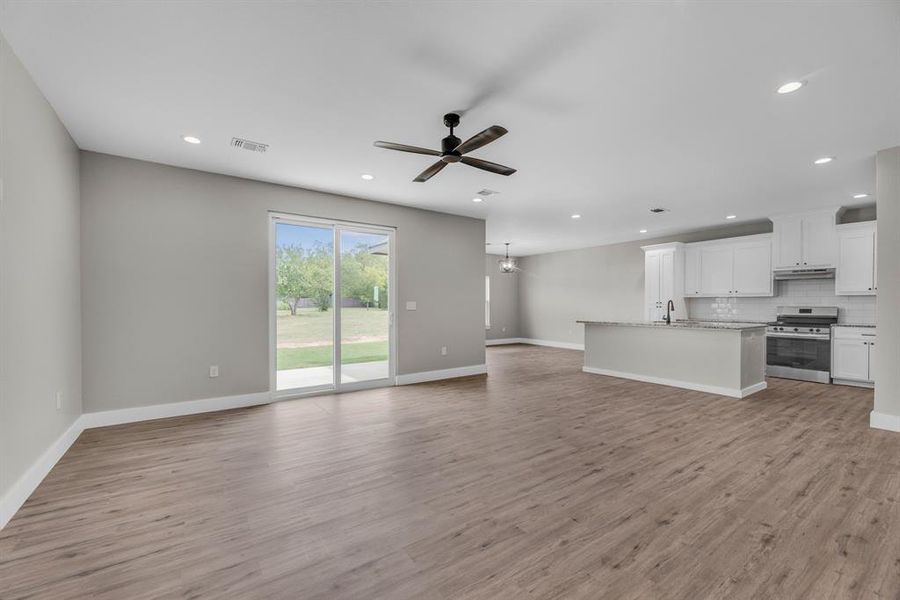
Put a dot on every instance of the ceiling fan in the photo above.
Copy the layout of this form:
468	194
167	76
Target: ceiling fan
453	149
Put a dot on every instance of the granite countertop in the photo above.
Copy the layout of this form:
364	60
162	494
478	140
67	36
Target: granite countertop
724	325
854	325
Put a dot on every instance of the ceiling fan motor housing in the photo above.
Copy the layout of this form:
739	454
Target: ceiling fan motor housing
448	148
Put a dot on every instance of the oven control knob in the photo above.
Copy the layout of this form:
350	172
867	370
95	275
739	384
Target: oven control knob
818	330
795	329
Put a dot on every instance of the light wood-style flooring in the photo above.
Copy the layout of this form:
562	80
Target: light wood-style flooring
538	481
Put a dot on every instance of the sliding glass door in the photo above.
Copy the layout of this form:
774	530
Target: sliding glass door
331	309
365	307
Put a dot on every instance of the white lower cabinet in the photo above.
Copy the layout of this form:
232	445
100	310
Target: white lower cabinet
852	355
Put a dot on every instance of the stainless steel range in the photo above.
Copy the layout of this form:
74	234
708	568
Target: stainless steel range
798	344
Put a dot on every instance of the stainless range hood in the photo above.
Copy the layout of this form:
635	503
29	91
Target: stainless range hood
781	274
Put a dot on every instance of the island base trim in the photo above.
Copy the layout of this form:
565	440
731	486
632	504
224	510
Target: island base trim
888	422
687	385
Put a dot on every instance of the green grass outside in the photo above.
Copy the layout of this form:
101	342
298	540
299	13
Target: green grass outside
313	326
321	356
312	329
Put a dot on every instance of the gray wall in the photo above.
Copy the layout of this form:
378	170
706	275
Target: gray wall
40	298
504	300
887	356
174	277
604	282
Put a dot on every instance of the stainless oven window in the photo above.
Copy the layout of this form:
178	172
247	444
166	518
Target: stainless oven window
799	353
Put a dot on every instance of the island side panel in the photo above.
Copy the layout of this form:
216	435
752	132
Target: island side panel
702	359
753	360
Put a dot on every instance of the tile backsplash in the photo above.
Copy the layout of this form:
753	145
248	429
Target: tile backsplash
791	292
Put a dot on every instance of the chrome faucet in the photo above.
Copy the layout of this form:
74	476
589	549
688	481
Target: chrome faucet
670	308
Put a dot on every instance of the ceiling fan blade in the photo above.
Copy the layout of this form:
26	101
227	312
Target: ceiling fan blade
430	172
480	139
405	148
487	165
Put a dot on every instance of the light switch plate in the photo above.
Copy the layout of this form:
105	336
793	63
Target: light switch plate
411	305
214	370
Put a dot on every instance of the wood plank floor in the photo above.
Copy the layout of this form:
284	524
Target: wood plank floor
538	481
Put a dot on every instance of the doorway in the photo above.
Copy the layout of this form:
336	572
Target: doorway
331	306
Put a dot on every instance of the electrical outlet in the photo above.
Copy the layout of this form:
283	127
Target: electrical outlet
443	350
58	400
503	329
214	370
411	305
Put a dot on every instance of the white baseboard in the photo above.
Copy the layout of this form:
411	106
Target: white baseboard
13	500
28	482
687	385
172	409
535	342
879	420
552	344
503	341
424	376
756	387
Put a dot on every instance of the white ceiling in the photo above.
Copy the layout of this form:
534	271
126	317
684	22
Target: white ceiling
612	108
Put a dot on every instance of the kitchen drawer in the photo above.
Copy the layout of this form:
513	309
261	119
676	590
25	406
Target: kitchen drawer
853	333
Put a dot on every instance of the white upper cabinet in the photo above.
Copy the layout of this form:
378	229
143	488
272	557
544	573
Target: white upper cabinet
691	270
664	280
788	233
856	262
731	267
717	270
753	269
807	240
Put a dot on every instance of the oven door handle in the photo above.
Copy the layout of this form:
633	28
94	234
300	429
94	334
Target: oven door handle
799	336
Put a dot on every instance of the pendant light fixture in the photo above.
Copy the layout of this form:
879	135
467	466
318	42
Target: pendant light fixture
507	265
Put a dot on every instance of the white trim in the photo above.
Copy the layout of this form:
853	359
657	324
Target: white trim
852	383
172	409
423	376
552	344
879	420
504	341
16	496
687	385
756	387
534	342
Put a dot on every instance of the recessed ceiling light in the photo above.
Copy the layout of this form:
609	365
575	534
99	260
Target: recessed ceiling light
858	196
576	216
824	160
642	231
477	199
367	177
790	86
731	217
191	139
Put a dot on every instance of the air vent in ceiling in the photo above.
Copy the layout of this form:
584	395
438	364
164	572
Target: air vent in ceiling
248	145
486	192
659	210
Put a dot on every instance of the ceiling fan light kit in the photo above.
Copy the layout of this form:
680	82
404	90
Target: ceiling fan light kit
453	149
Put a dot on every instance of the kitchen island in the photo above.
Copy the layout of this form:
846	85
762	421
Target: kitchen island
722	358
